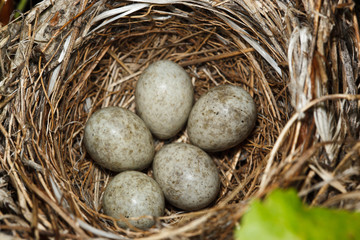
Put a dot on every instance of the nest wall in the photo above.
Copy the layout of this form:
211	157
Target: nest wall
63	60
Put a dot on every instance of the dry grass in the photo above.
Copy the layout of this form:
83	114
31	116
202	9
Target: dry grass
61	62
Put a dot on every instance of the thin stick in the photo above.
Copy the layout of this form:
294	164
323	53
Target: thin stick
216	57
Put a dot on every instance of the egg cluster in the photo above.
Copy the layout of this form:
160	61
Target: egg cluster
184	174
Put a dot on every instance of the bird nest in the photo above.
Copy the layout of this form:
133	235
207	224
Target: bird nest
65	59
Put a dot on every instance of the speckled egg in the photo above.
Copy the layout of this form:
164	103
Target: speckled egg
222	118
164	97
132	194
117	139
187	175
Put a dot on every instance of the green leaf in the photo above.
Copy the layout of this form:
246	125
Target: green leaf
283	216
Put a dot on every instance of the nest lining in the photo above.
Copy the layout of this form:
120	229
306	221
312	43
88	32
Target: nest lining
53	185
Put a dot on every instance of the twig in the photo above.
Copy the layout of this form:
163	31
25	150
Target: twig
215	58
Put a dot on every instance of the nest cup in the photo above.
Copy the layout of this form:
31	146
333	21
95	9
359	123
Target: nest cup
55	74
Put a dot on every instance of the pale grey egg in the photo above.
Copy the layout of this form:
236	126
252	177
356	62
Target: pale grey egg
187	175
164	96
117	139
133	194
222	118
